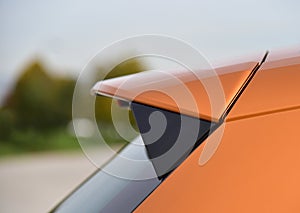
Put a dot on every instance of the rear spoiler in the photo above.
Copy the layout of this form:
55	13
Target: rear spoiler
186	103
182	92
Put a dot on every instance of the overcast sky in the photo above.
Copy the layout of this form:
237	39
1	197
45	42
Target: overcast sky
67	33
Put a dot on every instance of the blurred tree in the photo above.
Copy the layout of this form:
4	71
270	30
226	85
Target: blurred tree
37	110
7	121
40	101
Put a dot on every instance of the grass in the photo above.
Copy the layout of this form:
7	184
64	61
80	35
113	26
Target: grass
32	140
22	141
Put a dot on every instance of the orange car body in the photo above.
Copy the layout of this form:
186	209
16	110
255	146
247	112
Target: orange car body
256	167
251	162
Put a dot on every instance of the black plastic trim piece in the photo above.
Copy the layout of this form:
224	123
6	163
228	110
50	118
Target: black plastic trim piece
169	144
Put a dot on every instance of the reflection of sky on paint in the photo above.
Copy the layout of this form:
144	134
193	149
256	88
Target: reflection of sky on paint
66	33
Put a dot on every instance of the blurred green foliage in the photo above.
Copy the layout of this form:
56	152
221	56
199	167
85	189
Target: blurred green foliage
39	100
37	111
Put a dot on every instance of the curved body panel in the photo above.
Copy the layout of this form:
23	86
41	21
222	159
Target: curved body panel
255	169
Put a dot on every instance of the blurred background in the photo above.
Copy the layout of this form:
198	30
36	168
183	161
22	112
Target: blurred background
45	44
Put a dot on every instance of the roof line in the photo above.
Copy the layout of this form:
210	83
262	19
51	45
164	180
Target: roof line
263	113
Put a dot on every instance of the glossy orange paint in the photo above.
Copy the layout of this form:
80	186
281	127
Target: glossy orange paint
255	169
185	93
275	87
